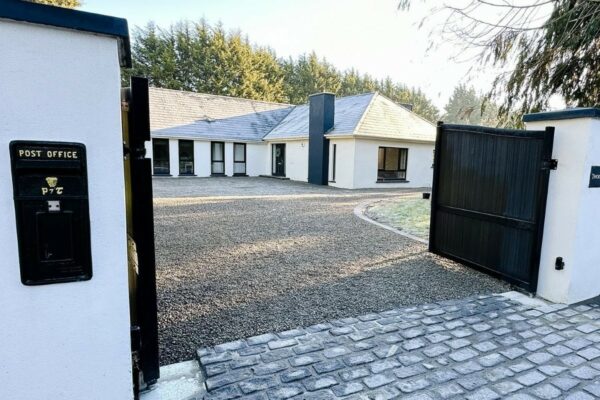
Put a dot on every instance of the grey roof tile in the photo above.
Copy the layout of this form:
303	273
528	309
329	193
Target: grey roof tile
181	114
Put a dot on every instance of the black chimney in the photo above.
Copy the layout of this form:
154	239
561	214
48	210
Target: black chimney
320	121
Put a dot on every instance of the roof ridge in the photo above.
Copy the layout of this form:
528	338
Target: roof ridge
406	109
279	122
188	92
362	117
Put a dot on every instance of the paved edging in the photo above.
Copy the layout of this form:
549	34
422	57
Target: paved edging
360	212
482	347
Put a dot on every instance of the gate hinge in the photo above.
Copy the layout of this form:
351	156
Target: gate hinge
550	164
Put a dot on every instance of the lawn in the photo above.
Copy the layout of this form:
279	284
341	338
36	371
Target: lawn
409	214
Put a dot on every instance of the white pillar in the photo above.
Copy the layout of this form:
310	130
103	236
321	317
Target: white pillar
228	158
174	157
572	223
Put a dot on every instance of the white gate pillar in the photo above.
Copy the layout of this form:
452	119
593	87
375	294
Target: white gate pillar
572	223
64	298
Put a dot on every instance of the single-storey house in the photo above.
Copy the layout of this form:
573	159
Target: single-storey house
352	142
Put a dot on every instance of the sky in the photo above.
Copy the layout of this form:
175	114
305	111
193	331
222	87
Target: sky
372	36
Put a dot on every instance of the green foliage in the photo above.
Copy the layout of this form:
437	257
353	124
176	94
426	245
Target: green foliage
59	3
198	57
466	106
546	47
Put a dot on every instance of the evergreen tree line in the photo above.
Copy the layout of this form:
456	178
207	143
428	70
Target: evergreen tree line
200	57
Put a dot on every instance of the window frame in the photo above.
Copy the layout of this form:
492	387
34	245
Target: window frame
155	141
212	158
179	143
399	168
240	162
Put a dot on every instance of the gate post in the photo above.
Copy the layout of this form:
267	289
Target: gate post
570	258
64	314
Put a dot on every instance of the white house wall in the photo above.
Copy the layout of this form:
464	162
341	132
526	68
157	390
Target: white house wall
256	153
174	157
419	171
69	340
201	158
296	160
344	163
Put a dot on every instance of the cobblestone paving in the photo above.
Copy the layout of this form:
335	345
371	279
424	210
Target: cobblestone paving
484	347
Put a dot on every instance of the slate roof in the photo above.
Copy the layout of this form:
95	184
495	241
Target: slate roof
348	112
175	113
202	116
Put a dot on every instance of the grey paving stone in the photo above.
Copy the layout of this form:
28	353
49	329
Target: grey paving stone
546	391
483	394
551	370
589	354
579	396
564	383
380	366
407	372
258	383
467	368
507	387
441	376
278	344
321	382
409	359
530	378
593	389
585	372
377	380
478	348
323	367
485	346
270	368
352	374
497	374
463	354
295	375
449	390
412	384
512	352
285	392
336	351
540	357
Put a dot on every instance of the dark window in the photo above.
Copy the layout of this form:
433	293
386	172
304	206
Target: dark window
186	157
333	156
160	156
217	155
239	158
391	164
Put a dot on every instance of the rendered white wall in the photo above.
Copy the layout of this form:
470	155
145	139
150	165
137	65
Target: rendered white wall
256	153
201	158
65	341
344	165
296	160
418	170
174	157
572	217
229	159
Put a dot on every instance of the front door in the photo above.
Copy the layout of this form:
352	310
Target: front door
278	159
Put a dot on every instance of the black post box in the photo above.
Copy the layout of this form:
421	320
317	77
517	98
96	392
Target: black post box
52	211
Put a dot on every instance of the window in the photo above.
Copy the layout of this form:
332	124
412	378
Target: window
333	157
160	156
239	158
391	164
217	155
186	157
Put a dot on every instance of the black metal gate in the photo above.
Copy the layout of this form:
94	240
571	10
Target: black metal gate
489	199
140	230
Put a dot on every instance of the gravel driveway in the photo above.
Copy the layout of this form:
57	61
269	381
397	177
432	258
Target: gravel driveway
237	257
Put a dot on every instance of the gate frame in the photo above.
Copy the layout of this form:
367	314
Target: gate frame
542	196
